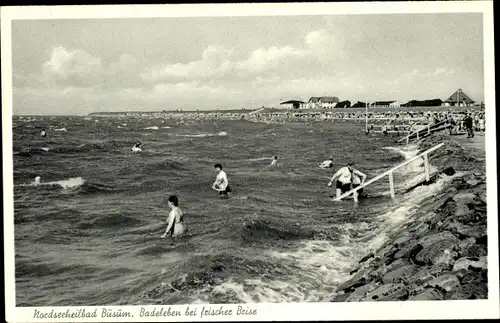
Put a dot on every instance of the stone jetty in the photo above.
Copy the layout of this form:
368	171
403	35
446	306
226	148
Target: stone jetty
441	252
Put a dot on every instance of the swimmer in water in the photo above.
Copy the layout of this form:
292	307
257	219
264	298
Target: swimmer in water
221	183
175	220
274	162
327	163
43	133
37	181
138	146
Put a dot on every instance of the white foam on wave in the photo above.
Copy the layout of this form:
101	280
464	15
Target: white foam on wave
152	128
220	134
259	159
321	265
166	127
65	183
44	148
61	129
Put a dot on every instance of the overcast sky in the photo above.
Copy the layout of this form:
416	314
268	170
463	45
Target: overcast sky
82	66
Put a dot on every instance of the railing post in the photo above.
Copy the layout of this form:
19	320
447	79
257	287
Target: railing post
428	129
391	184
407	139
426	167
417	135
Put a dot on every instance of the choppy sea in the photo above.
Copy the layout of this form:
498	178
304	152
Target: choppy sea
90	234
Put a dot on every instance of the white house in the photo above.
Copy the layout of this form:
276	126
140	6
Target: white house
395	104
325	102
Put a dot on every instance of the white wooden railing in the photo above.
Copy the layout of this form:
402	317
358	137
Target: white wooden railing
390	171
430	129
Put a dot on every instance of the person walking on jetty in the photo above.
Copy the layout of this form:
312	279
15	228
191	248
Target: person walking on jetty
469	123
175	220
221	183
344	179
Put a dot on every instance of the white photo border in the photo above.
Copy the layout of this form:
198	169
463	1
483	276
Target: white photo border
471	309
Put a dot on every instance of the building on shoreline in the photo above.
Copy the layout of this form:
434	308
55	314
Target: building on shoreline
459	98
292	104
325	102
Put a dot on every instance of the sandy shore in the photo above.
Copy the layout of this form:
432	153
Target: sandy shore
440	254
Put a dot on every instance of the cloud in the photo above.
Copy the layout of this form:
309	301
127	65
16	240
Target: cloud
443	71
218	62
64	64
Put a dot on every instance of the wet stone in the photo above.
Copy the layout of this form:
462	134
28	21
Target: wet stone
424	276
401	239
469	291
358	280
388	292
446	282
476	231
365	258
482	197
430	294
379	272
440	252
409	251
470	263
461	210
398	263
464	198
473	182
436	237
476	250
466	243
399	274
341	297
360	292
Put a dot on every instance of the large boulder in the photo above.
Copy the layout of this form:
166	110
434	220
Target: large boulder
431	239
410	250
359	279
379	272
466	244
341	297
399	274
464	198
469	263
445	282
388	292
441	252
429	294
476	250
398	263
424	275
469	291
360	292
476	231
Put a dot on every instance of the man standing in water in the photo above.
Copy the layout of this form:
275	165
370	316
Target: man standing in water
344	178
221	183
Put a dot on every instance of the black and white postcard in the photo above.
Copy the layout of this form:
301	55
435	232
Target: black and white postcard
243	162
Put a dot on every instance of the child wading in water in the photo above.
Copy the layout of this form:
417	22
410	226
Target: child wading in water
175	226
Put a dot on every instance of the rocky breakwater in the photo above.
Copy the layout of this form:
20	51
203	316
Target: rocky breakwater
440	253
